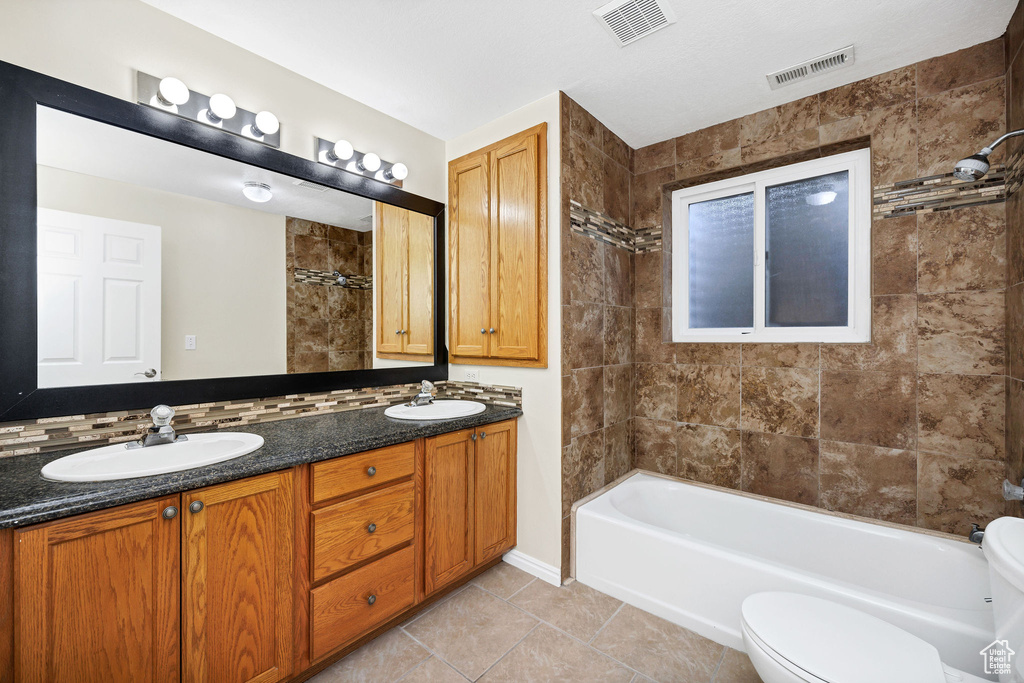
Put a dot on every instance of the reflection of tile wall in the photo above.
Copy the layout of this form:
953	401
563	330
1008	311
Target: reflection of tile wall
329	279
50	434
597	309
910	428
1014	447
329	328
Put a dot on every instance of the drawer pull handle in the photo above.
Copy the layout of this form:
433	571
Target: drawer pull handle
170	512
371	528
370	471
195	506
372	599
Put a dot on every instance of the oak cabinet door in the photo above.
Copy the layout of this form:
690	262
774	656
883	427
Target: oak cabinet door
238	557
469	244
448	508
419	326
391	246
517	250
495	494
98	596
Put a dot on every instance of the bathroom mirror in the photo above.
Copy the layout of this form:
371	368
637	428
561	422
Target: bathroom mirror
160	262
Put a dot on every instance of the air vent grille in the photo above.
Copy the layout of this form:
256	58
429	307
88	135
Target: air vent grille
812	67
310	186
630	20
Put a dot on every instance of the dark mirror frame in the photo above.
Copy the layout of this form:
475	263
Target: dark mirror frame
21	91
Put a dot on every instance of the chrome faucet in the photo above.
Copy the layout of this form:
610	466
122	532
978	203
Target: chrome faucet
161	432
976	535
425	397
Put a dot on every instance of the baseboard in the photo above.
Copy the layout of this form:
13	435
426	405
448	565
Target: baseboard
530	565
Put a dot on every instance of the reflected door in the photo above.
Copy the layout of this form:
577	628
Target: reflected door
98	300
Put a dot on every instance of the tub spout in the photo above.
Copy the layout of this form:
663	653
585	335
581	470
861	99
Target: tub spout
976	535
1012	492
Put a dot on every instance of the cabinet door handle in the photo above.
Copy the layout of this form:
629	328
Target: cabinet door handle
398	332
493	330
371	470
371	528
483	435
473	436
483	331
372	599
170	512
195	506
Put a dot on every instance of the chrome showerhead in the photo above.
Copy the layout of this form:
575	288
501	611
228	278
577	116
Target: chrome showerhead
973	167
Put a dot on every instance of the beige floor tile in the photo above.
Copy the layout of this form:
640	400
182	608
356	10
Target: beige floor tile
472	630
382	660
503	580
433	671
736	668
658	648
549	656
578	610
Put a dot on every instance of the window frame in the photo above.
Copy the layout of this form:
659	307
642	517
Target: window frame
858	328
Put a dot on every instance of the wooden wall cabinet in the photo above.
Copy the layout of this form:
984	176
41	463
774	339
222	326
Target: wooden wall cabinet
469	511
404	248
497	239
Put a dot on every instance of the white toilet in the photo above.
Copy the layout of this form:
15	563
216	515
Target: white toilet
793	638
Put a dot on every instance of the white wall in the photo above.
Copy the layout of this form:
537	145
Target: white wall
223	273
540	428
100	44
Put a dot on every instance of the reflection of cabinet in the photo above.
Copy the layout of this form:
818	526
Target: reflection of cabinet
469	501
498	252
405	283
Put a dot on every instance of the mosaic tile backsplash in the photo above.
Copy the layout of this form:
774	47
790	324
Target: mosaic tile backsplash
51	434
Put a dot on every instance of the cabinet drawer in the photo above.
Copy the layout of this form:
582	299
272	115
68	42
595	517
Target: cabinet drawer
342	533
342	609
354	473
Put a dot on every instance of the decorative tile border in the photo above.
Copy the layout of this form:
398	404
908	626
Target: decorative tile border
56	433
600	227
647	239
322	277
937	193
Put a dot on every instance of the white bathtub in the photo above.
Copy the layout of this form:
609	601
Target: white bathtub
691	554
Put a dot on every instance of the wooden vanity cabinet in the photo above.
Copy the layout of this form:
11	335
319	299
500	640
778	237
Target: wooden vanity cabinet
469	498
404	249
497	241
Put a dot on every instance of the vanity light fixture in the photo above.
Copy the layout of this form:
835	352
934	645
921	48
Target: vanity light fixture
398	171
172	92
265	124
221	108
341	154
342	151
257	192
370	162
219	111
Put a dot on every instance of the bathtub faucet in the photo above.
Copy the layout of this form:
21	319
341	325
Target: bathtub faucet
977	533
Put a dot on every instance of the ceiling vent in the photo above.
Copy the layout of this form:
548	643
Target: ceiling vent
630	20
310	186
811	68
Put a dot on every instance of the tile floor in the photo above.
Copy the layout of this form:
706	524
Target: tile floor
505	625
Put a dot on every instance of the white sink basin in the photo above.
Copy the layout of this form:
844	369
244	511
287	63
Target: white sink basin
438	410
117	461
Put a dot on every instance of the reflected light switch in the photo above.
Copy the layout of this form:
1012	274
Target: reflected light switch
190	342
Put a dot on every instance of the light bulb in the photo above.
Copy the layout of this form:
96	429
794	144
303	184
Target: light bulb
821	198
370	162
221	107
172	92
266	124
257	192
342	151
398	171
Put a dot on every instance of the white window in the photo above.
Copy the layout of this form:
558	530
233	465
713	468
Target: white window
782	255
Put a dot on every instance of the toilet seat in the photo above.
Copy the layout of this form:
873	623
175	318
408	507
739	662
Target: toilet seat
819	641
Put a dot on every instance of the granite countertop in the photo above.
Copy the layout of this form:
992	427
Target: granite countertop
27	498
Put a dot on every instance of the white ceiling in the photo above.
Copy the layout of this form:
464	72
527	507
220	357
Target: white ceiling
78	144
449	66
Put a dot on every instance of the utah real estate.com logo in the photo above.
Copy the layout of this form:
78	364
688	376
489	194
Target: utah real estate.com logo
998	656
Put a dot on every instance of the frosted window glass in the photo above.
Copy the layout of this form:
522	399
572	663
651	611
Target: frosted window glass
721	255
807	239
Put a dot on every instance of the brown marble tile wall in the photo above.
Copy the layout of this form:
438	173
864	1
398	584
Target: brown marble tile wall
921	425
329	327
597	312
1014	305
